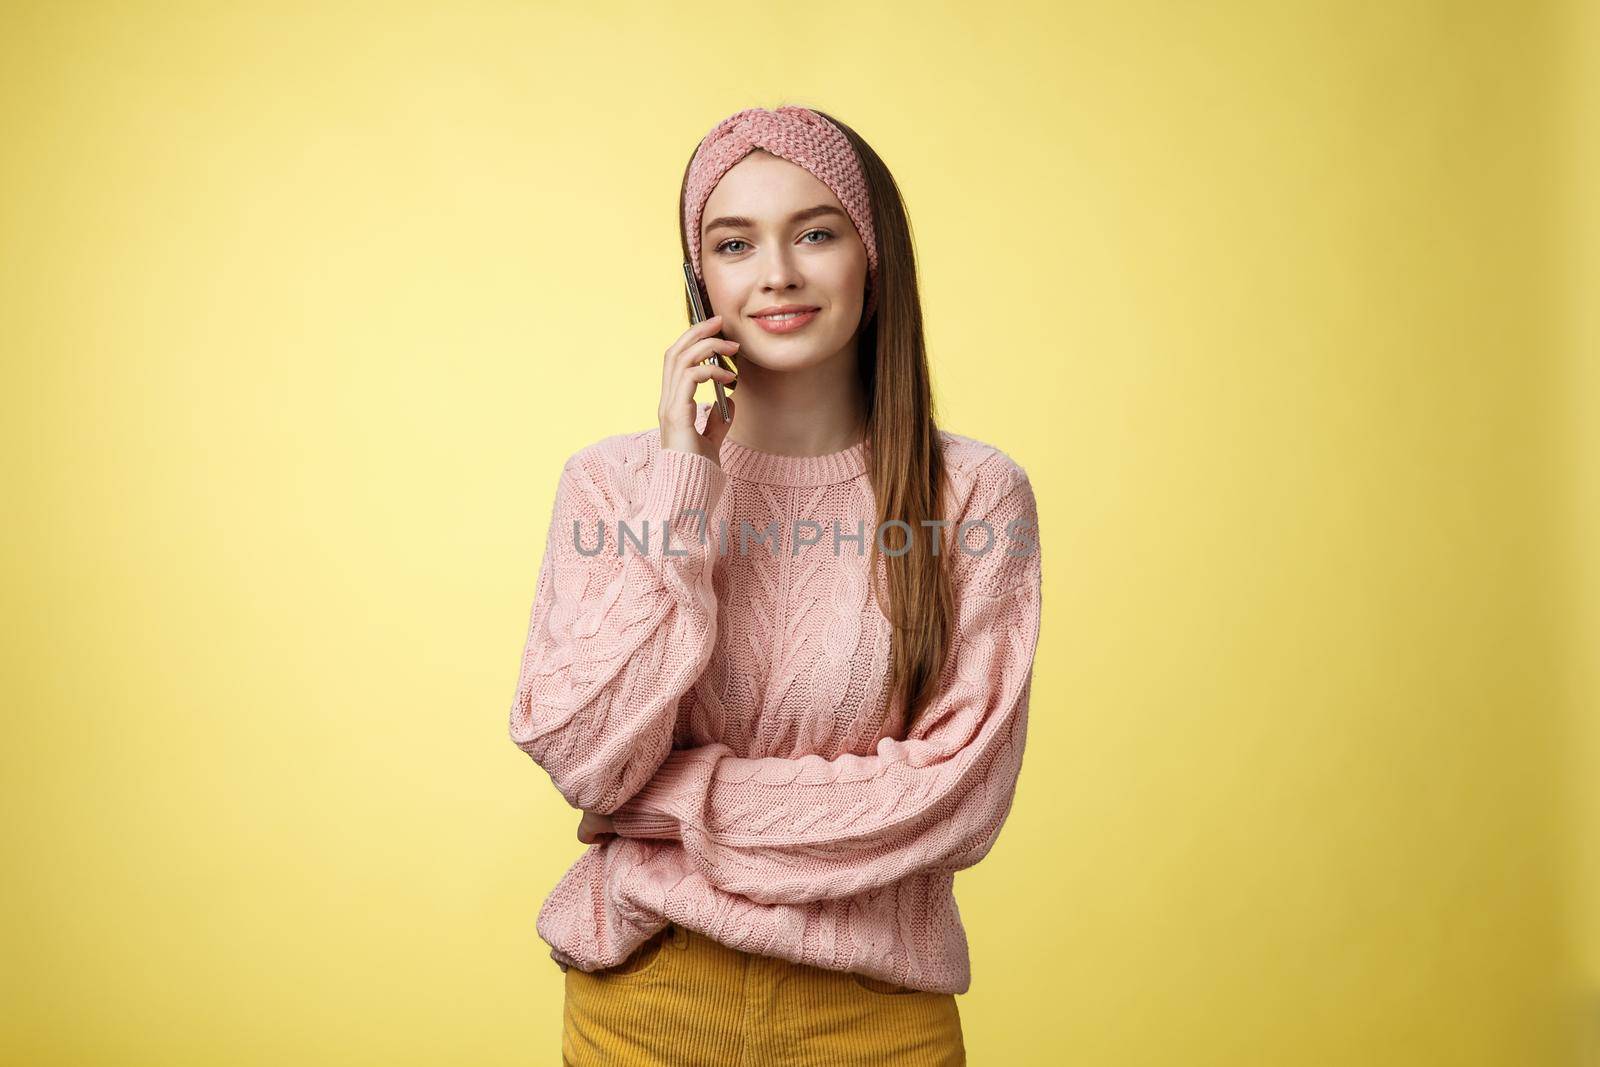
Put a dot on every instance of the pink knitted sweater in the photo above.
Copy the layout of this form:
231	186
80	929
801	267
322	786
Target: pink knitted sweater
727	706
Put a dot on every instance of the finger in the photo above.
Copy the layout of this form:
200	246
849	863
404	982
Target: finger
705	372
699	331
681	381
684	396
706	348
716	429
681	392
698	352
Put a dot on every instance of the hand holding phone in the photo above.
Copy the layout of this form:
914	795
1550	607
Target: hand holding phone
690	360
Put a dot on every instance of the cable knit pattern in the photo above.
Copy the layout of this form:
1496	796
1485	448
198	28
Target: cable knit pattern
729	708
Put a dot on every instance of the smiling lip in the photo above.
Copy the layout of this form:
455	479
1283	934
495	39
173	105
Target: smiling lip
785	325
782	308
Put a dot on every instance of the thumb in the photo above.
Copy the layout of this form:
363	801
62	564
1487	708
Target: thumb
716	429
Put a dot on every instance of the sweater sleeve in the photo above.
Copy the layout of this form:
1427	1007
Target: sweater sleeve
777	830
620	628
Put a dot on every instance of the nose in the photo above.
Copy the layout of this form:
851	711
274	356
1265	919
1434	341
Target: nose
780	270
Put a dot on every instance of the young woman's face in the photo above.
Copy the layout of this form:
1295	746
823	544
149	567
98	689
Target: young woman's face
766	257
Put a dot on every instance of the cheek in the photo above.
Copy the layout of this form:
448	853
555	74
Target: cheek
843	277
723	295
855	274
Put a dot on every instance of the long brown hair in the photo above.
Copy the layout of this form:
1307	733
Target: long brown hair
908	471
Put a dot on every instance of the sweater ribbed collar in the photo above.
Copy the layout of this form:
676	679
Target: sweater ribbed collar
770	468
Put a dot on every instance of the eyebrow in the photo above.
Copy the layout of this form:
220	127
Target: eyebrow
736	222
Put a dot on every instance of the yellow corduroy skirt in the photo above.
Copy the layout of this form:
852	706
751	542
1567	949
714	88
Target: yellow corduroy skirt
682	1000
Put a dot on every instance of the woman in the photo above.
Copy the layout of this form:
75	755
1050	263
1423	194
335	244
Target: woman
778	782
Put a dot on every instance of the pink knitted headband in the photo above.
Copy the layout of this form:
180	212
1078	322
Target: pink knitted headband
801	136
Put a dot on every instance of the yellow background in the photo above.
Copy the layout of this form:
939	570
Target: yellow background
1287	308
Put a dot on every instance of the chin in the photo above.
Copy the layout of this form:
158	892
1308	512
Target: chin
791	359
792	356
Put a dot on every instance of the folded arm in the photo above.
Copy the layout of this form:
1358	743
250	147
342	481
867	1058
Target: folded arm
778	830
616	637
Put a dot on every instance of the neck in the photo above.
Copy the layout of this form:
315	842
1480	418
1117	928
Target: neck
808	412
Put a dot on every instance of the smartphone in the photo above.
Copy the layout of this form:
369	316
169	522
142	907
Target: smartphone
698	309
